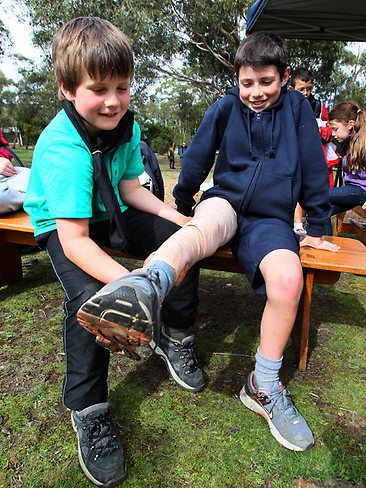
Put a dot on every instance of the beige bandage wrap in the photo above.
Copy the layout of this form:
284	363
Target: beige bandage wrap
213	225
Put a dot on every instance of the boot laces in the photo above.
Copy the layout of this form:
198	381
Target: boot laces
101	435
283	402
186	352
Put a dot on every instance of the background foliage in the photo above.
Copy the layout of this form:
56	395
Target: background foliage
184	52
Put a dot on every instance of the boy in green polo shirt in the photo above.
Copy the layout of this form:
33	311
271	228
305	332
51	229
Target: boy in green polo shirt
72	217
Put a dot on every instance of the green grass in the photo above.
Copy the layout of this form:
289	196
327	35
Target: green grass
173	438
25	155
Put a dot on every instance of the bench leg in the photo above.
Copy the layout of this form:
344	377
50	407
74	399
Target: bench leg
301	330
339	218
11	264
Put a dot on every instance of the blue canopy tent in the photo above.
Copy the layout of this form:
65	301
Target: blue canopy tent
333	20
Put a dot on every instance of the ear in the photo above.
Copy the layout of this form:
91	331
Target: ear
286	76
66	93
351	124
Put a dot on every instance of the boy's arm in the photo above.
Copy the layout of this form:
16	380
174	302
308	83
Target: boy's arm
136	196
85	253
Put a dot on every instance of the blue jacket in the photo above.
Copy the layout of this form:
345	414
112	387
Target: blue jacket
267	161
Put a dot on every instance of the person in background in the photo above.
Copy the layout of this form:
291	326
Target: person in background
347	121
152	177
171	157
13	180
302	80
181	150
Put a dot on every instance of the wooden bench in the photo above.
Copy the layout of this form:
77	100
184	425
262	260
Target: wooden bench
318	267
353	226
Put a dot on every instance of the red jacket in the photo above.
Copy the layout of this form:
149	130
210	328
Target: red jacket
3	152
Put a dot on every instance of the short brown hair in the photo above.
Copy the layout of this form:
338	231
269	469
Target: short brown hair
261	49
301	74
92	46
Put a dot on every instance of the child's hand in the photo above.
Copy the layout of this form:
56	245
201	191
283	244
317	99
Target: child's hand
319	243
6	168
183	220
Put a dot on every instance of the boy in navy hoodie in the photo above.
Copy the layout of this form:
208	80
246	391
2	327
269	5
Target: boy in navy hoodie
270	157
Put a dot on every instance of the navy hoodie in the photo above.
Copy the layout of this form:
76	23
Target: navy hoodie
267	161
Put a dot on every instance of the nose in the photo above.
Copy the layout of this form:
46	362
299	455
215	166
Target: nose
111	100
257	91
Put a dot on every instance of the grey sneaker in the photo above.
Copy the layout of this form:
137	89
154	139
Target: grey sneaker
123	313
101	455
286	424
180	359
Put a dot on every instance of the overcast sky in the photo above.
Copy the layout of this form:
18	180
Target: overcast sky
21	36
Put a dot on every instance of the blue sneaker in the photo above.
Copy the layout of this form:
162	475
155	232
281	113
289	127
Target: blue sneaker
123	313
286	424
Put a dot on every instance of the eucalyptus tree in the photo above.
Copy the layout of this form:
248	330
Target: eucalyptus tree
5	39
167	36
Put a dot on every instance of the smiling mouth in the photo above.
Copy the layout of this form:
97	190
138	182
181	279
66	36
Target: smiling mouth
258	102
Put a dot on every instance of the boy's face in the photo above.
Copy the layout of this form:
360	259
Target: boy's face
260	88
100	103
341	131
305	87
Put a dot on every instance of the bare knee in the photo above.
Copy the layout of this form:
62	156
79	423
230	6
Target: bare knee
285	286
282	273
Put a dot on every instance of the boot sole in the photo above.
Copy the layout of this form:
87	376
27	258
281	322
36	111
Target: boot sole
122	319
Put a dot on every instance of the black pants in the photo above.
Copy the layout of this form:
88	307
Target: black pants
87	363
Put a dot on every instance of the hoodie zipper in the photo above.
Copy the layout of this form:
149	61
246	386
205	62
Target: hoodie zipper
247	197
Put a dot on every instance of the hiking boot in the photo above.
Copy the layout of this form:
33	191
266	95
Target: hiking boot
180	359
286	424
122	314
100	453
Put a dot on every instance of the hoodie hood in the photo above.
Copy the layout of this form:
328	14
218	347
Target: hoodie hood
249	115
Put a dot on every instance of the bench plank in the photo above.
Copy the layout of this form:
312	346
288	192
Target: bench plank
318	267
353	226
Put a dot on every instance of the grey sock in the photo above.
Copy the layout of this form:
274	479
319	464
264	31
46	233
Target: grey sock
266	373
177	334
102	407
166	275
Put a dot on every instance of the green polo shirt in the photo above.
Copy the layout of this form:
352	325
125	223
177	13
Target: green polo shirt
61	182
